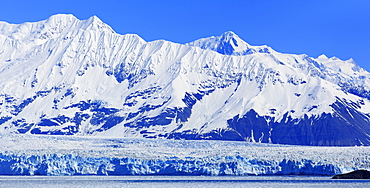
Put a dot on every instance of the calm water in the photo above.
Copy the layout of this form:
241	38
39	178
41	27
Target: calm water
177	181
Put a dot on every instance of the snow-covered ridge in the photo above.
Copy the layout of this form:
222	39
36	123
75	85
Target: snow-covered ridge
331	69
53	27
79	77
229	44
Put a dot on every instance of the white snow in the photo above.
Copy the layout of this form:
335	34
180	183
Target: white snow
68	53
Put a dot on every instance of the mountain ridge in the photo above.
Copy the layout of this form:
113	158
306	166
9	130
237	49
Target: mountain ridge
72	77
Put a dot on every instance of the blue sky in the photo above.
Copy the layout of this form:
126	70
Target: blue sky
338	28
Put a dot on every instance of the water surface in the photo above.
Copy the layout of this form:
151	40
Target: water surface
177	181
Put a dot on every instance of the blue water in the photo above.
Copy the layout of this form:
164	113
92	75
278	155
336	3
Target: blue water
177	181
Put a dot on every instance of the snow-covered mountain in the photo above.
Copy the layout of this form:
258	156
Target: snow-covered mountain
65	76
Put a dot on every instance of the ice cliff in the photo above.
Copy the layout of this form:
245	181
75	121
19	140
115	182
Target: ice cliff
49	155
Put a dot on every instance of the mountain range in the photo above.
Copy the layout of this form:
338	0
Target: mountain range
65	76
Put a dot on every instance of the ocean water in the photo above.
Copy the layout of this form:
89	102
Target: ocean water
177	181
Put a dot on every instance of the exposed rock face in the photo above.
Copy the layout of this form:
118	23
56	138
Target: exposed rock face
357	174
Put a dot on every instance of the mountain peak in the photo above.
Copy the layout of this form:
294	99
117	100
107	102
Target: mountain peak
322	56
71	17
92	23
95	19
228	34
56	20
95	23
229	43
61	17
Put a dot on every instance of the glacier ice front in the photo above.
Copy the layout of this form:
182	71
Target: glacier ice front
61	155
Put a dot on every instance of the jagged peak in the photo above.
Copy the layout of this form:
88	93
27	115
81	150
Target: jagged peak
229	43
95	19
95	23
233	39
52	27
229	34
70	17
58	21
325	58
92	23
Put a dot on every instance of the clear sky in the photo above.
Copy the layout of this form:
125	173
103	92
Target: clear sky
338	28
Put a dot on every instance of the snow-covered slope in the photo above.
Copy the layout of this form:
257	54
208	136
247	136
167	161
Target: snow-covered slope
78	77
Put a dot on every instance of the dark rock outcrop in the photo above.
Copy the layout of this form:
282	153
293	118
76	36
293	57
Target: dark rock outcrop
357	174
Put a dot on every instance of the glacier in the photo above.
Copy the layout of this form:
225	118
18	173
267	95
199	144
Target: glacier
65	76
65	155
